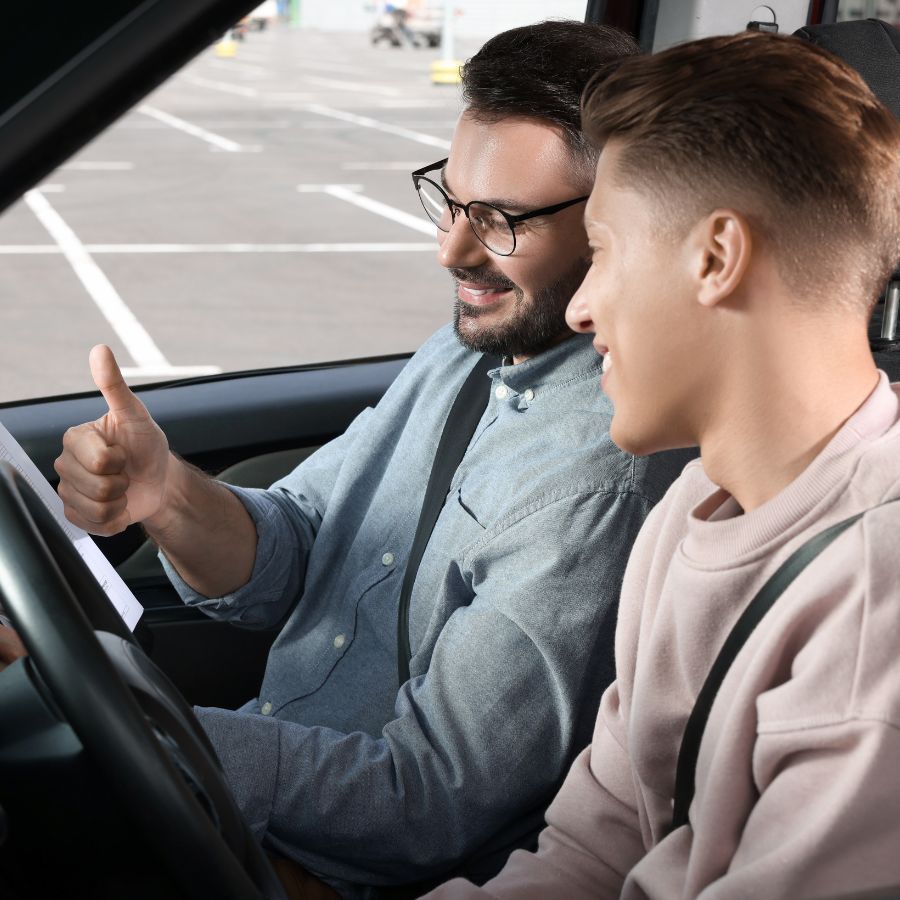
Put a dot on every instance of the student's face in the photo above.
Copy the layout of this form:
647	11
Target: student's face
514	305
637	300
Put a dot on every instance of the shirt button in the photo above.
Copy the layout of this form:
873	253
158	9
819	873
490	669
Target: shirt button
387	559
529	394
266	708
339	641
502	392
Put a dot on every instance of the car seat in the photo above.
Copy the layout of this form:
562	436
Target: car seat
872	47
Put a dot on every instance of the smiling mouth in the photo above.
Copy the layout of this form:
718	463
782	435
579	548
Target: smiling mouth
480	294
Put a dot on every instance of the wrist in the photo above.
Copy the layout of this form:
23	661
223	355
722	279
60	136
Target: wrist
173	503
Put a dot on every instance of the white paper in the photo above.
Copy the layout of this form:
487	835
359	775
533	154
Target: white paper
118	592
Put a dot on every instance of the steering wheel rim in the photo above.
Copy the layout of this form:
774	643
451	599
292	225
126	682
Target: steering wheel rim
53	601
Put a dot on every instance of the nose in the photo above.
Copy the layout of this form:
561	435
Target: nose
458	248
578	315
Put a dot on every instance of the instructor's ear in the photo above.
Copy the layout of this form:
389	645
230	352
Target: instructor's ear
721	246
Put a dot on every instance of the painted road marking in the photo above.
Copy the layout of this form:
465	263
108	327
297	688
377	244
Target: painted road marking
224	86
134	336
233	65
323	188
366	122
142	125
353	86
216	140
100	249
381	166
86	165
380	209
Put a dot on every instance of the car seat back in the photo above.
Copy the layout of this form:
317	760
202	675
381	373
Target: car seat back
872	47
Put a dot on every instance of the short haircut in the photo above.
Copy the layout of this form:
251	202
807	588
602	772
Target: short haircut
540	72
775	127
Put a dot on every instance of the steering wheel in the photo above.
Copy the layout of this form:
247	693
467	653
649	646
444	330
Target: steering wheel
130	719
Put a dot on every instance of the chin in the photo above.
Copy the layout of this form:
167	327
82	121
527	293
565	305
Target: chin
641	441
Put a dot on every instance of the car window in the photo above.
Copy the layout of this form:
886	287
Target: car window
256	210
887	10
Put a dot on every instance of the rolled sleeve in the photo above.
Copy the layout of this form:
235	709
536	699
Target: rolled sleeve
277	573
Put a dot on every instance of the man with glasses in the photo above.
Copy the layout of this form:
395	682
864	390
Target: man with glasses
359	778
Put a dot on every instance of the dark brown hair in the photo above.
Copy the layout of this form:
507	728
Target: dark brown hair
775	127
540	72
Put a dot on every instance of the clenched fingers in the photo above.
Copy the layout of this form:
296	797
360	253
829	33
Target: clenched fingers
93	484
86	448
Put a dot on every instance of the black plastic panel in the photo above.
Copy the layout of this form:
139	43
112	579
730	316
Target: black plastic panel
217	421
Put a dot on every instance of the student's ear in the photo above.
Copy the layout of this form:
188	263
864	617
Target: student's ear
721	248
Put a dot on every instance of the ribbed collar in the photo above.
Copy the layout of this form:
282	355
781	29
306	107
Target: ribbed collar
720	537
572	360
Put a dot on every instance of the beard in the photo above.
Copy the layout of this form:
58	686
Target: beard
534	325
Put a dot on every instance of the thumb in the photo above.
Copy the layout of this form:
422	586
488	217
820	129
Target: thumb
108	378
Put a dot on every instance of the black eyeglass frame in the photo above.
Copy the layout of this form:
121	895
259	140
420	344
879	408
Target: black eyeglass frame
511	220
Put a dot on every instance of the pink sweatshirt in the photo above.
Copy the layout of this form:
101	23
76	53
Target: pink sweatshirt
798	779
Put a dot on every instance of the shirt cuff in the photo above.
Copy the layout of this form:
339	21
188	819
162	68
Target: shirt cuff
275	548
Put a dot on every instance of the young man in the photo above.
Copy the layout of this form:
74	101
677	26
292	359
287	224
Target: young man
513	610
745	216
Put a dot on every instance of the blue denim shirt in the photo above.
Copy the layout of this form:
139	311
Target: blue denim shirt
511	621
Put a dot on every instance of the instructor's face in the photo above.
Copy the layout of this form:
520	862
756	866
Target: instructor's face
514	305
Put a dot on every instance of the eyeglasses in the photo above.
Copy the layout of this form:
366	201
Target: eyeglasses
495	228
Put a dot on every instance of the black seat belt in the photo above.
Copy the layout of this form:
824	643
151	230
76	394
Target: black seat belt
464	416
686	769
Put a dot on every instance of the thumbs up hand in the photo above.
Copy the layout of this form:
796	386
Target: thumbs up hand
113	471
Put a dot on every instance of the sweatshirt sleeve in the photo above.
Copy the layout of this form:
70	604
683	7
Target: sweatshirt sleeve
826	822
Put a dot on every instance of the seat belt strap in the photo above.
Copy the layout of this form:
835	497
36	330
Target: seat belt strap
685	772
463	419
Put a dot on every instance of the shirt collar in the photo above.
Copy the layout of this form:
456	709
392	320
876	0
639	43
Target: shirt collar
575	358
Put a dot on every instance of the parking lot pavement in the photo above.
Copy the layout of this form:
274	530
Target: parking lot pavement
253	211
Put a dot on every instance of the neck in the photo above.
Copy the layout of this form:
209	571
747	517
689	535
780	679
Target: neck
562	336
782	402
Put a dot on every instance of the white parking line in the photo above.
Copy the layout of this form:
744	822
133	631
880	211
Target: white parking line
134	336
353	86
320	66
85	165
233	65
229	124
279	98
100	249
381	166
380	209
366	122
224	86
215	140
407	103
322	188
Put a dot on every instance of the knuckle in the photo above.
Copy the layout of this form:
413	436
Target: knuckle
98	460
107	490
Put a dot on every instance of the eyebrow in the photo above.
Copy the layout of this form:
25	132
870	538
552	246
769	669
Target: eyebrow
504	203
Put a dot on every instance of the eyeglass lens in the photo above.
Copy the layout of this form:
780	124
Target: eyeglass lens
488	223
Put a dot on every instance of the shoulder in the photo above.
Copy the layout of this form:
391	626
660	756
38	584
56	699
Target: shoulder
442	350
435	371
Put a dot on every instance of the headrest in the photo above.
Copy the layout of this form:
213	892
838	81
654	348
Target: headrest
871	46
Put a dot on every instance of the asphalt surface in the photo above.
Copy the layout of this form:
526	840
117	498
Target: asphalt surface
254	211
